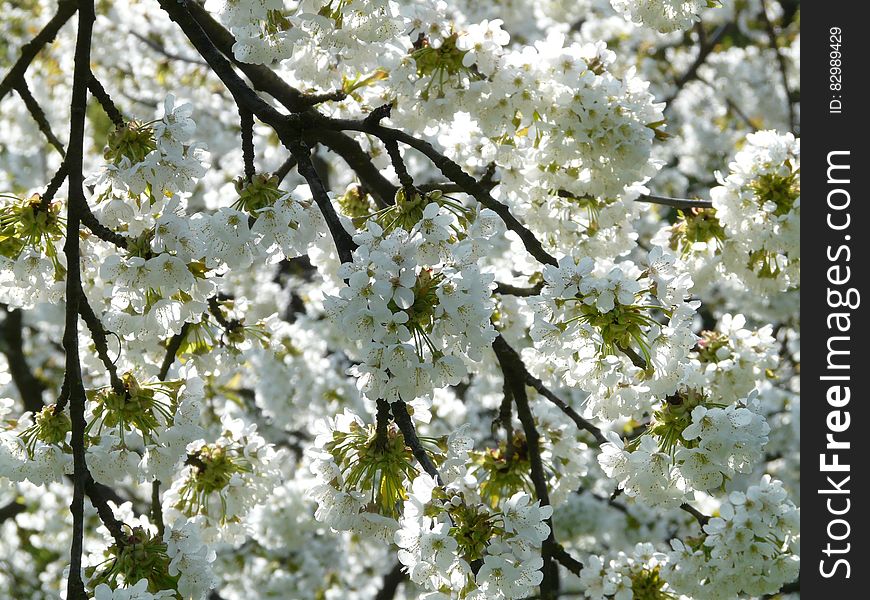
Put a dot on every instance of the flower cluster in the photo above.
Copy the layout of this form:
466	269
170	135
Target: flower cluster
36	447
689	445
759	206
156	158
147	566
621	333
749	550
443	531
266	31
734	359
662	15
362	474
585	134
626	576
31	264
284	225
415	299
224	479
442	396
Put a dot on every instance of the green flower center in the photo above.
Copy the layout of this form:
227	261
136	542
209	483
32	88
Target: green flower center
262	191
145	408
591	205
26	223
695	225
49	427
133	140
213	467
440	64
507	470
669	422
647	584
621	328
355	203
709	345
379	466
473	527
783	191
140	557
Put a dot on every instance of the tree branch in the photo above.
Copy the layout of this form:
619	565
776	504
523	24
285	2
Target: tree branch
285	168
289	130
344	243
65	10
164	52
89	220
96	493
246	122
674	202
783	67
399	165
29	386
567	561
406	426
503	349
53	186
507	289
73	373
703	52
382	422
453	172
392	580
172	349
98	334
381	188
11	510
105	101
512	369
38	115
699	516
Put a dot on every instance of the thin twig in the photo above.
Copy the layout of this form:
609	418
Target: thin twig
382	422
98	334
783	66
96	493
391	582
53	186
73	373
703	52
30	388
65	10
405	179
102	96
505	419
452	171
681	203
512	371
172	350
246	122
285	168
11	510
39	116
506	289
406	426
89	220
504	349
164	52
344	243
699	516
567	561
157	508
